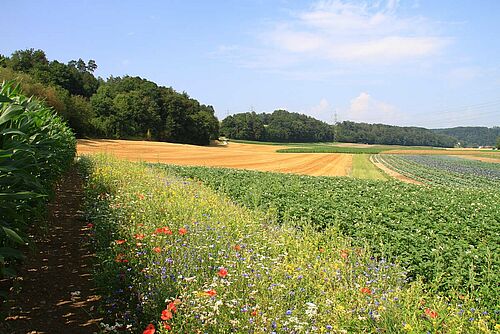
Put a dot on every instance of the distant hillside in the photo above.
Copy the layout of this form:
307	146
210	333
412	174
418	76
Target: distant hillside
472	136
352	132
280	126
284	126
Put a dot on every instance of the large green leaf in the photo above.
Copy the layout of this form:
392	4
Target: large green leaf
12	235
20	195
10	113
11	132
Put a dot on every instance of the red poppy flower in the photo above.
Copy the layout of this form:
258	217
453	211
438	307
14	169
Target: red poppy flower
366	290
166	315
210	293
120	258
254	313
121	241
167	326
222	272
321	250
430	313
139	236
157	250
182	231
163	230
90	225
140	196
150	329
171	307
237	248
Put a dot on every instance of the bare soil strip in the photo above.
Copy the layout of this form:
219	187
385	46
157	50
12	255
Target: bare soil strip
57	294
394	174
232	155
484	159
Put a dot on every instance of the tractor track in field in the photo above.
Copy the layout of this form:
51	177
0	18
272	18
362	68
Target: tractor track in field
54	290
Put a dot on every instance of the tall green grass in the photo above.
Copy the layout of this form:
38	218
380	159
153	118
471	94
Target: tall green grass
36	146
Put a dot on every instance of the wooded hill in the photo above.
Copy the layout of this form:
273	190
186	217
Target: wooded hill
280	126
473	136
120	107
351	132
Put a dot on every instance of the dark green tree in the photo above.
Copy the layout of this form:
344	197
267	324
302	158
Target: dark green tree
25	60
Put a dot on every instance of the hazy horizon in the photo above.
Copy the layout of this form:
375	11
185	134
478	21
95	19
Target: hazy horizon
410	63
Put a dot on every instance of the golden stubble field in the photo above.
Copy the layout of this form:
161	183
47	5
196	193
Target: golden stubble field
232	155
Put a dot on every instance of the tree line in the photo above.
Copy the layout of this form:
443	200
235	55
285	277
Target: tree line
119	107
279	126
284	126
383	134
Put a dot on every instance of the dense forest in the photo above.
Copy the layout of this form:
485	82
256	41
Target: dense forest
279	126
120	107
283	126
351	132
473	136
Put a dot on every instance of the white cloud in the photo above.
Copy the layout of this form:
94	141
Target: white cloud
364	108
342	33
358	32
322	111
387	49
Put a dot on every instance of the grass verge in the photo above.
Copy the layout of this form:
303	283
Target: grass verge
363	168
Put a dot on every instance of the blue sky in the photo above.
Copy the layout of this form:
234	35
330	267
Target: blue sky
417	62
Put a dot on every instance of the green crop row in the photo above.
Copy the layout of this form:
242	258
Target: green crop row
177	257
448	236
36	146
333	149
445	170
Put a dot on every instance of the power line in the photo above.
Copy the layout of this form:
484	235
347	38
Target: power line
451	110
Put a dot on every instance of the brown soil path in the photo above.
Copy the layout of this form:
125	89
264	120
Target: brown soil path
393	173
479	158
57	294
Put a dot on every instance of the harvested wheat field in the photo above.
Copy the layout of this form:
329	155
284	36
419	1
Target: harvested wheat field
232	155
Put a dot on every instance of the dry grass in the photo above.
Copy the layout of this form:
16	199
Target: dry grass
233	155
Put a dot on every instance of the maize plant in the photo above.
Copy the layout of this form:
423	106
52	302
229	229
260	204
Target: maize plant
36	146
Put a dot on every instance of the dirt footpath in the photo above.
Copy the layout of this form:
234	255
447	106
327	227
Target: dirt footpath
56	293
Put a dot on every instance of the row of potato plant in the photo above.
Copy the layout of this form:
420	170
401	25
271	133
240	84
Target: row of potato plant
175	256
36	146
